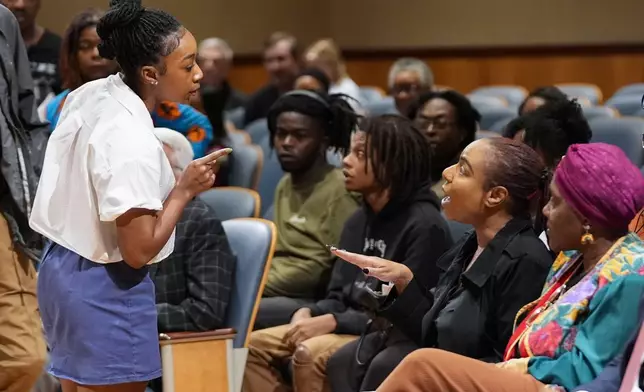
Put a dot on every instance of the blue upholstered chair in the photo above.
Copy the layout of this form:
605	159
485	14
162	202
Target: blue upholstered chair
215	360
492	116
593	112
230	202
582	91
624	132
383	106
514	95
626	104
236	116
246	166
257	130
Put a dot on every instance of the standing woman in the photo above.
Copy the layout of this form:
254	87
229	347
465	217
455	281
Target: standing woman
108	202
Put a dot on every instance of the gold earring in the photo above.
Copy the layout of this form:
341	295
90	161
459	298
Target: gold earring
587	238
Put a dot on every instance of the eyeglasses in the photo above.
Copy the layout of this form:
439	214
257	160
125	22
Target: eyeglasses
405	88
425	123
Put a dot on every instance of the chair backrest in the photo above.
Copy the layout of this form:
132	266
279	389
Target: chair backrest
253	242
238	138
513	94
588	91
236	116
626	104
499	126
269	214
631	89
486	134
230	202
270	176
482	102
491	116
624	132
371	94
334	158
246	166
257	130
593	112
383	106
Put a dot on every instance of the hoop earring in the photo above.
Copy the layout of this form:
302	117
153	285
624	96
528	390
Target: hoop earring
587	238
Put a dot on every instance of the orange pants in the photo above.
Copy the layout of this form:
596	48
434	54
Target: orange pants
432	370
22	346
267	353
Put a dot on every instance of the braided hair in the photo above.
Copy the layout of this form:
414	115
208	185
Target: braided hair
137	36
518	168
399	154
333	113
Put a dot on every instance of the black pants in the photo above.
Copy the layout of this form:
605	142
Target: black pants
274	311
345	375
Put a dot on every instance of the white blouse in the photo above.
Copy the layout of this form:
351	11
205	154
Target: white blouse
102	160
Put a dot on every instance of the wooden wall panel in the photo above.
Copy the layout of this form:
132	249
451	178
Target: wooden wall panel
610	67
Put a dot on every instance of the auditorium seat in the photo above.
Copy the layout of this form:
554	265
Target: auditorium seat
513	94
588	91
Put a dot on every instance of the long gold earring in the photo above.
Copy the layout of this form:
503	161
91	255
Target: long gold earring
587	238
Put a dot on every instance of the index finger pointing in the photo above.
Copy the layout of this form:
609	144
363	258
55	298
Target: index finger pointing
358	260
213	156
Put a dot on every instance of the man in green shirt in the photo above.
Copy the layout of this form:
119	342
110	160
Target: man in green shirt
311	202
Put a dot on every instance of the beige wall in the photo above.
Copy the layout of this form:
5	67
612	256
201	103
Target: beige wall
360	24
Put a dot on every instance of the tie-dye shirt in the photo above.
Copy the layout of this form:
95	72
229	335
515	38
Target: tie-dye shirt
176	116
571	341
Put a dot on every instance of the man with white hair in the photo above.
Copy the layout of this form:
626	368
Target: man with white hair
193	284
408	79
215	59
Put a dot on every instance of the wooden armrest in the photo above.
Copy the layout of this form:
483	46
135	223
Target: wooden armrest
183	337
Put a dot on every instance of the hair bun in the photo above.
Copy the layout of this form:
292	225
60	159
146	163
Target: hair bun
121	14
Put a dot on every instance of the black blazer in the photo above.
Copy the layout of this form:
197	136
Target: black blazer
472	313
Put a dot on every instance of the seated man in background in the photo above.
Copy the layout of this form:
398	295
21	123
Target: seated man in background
216	95
193	284
281	63
311	202
401	220
449	121
408	79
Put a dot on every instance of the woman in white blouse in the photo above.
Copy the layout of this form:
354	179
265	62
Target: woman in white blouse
108	202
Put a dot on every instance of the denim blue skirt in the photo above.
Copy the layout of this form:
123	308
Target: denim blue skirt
100	320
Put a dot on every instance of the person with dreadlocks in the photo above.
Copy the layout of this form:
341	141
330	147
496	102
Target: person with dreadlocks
311	202
486	277
108	203
400	219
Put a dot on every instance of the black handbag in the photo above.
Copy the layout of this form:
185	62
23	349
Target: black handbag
371	294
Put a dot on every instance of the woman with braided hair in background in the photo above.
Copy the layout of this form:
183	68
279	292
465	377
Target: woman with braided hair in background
109	205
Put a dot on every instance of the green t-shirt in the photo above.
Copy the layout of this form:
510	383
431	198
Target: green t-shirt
308	217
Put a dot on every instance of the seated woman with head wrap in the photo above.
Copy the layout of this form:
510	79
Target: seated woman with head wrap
585	314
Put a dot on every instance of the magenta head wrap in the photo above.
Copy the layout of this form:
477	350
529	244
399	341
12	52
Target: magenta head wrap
601	184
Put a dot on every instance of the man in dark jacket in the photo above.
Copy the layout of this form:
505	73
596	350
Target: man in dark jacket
400	220
22	347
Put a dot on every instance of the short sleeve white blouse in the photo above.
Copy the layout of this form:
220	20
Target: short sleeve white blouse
102	160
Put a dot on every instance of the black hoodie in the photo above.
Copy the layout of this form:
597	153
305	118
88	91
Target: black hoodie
413	233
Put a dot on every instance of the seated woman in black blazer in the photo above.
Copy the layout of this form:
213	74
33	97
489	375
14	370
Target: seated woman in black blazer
486	277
